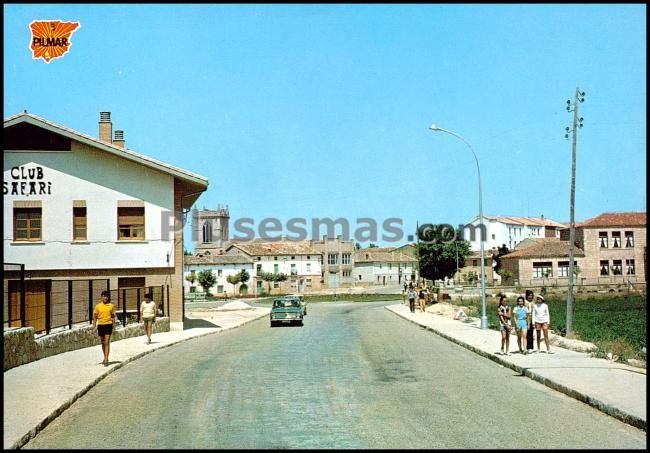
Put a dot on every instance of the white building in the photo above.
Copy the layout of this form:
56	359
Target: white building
222	267
509	230
296	259
384	266
85	208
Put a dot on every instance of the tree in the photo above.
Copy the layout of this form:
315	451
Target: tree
207	280
244	276
372	246
233	280
503	250
506	275
357	246
437	259
269	277
191	277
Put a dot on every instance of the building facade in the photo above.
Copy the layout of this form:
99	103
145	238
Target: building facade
541	262
296	259
222	267
509	231
384	266
614	245
337	261
85	208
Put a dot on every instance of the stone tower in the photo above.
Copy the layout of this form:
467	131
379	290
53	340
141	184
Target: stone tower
213	229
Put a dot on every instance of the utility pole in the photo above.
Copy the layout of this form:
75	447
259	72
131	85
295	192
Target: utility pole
577	123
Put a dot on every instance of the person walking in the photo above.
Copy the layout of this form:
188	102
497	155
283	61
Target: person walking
503	311
104	323
521	323
531	327
148	310
422	300
412	300
542	320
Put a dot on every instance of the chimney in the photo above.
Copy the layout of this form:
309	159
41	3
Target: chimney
119	139
105	127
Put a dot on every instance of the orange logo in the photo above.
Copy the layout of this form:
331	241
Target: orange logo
51	38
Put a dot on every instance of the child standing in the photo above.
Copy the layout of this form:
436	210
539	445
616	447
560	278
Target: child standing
503	311
521	323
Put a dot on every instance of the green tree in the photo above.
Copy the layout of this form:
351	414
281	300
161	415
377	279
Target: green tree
269	277
437	259
503	250
233	280
357	246
207	280
373	246
244	276
191	277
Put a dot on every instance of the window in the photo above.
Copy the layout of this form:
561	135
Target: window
259	258
27	224
629	264
602	237
308	257
276	285
332	258
219	272
293	257
493	237
604	267
474	262
275	258
276	269
563	268
259	284
192	289
616	239
379	265
293	269
346	273
308	282
390	266
259	269
220	289
346	258
79	224
617	267
542	270
308	267
359	277
629	239
130	223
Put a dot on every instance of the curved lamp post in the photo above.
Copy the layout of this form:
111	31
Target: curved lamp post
484	322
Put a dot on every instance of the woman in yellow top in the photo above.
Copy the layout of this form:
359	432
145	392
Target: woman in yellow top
104	322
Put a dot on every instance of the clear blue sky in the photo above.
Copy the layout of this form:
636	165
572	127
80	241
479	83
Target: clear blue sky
323	110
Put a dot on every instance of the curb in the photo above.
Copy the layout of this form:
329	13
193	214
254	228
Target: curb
607	409
58	411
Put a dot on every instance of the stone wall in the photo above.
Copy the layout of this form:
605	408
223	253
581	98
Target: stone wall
20	346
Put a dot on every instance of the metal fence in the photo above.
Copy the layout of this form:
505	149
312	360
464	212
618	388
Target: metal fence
50	304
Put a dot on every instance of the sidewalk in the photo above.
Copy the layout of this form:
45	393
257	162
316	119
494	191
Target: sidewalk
617	389
37	392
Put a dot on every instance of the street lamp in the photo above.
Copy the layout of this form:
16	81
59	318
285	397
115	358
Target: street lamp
484	322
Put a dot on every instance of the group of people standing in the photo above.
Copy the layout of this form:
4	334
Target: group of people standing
104	320
413	292
527	318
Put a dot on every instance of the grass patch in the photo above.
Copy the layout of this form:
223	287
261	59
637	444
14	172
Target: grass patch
614	323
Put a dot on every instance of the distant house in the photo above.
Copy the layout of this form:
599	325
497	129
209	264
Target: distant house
222	266
385	266
296	259
509	231
473	266
540	262
614	244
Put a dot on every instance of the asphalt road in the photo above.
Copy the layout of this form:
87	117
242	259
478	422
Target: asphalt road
354	376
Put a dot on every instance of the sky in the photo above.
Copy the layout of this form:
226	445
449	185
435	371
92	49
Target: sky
323	111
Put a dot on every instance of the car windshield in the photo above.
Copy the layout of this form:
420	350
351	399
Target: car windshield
285	303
